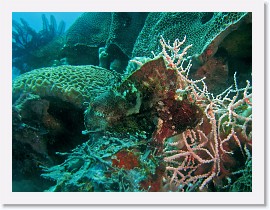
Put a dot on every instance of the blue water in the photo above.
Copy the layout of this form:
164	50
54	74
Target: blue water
35	21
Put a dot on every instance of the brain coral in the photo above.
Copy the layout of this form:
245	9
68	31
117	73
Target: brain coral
73	84
200	29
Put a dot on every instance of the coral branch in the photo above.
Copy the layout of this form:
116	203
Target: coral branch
197	157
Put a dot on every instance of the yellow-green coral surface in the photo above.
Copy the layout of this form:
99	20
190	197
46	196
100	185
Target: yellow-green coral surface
73	84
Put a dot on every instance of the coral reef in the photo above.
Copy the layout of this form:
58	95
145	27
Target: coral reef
216	73
125	28
48	107
229	52
90	29
200	28
244	182
84	38
106	36
207	154
164	125
101	164
72	84
149	93
41	127
215	38
195	141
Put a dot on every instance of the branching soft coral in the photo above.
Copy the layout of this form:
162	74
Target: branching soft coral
26	41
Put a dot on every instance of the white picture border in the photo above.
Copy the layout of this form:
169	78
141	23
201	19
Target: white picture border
257	196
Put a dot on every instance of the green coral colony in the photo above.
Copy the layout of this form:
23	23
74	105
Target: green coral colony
128	111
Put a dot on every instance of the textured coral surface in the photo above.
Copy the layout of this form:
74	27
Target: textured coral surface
200	28
73	84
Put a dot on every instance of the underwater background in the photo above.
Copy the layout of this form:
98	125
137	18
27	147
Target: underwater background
132	102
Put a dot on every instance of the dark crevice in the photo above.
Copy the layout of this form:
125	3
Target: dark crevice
39	135
207	17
